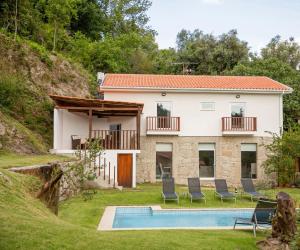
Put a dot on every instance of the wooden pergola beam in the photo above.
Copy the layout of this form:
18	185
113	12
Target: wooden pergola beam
97	108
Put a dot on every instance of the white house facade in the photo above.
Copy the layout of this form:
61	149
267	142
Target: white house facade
182	126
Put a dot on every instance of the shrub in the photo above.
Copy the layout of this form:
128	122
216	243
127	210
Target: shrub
282	153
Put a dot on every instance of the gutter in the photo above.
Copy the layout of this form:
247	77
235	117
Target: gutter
194	90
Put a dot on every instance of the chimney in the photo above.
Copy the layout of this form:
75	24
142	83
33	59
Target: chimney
100	78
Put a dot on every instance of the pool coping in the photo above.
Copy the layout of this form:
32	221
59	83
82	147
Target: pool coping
107	219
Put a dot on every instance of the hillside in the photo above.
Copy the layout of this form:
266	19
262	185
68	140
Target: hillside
28	74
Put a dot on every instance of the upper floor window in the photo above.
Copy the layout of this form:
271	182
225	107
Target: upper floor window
207	106
238	109
164	108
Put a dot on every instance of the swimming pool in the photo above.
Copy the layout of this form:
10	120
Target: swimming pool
157	218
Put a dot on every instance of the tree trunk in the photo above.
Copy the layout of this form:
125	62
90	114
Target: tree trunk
283	225
54	36
16	20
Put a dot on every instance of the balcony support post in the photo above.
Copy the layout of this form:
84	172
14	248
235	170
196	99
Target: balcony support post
90	123
138	128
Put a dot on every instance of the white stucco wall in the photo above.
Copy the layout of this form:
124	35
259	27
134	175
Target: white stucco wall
194	122
67	124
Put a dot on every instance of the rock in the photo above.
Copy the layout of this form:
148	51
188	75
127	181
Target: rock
90	185
2	129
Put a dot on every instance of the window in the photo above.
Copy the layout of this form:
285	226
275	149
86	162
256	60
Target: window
238	109
237	114
206	160
163	160
163	114
207	106
248	161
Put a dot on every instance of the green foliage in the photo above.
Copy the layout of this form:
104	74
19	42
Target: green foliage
76	174
26	105
42	52
208	54
125	53
282	153
287	51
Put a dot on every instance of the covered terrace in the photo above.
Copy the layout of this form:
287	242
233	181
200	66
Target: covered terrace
79	119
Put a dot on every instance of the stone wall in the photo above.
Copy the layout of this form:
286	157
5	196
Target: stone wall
185	162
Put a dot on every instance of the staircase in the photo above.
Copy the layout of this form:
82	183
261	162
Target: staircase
107	178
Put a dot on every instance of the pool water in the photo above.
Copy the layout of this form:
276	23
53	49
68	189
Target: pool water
145	217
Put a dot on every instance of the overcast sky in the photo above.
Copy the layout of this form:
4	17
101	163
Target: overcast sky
256	21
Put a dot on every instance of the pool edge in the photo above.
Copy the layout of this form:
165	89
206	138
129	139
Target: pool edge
107	219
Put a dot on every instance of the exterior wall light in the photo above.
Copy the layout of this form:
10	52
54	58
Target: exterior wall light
237	96
163	93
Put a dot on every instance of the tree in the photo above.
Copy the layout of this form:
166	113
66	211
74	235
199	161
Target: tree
282	153
279	71
91	19
59	14
287	51
208	54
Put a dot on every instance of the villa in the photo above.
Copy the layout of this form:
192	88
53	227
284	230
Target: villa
155	126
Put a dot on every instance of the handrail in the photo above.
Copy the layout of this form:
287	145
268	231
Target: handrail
239	124
117	139
163	123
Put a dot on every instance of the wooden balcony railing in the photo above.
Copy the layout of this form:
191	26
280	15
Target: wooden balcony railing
117	139
239	124
163	123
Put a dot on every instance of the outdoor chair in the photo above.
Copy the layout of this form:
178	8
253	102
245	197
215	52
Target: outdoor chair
168	192
249	189
262	215
222	190
195	189
76	142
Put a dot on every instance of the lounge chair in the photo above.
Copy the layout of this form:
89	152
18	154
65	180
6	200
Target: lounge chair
222	190
249	189
262	215
195	189
168	192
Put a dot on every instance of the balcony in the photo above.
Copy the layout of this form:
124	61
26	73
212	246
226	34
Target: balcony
239	125
162	125
117	139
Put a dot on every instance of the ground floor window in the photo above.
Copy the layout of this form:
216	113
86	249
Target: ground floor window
248	160
163	160
206	160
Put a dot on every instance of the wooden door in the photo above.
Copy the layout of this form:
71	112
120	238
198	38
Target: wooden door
125	170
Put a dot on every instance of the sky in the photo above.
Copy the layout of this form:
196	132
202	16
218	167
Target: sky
256	21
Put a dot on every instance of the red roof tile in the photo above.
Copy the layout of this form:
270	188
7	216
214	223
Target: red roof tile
192	82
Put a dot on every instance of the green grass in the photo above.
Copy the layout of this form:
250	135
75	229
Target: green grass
8	160
88	213
27	224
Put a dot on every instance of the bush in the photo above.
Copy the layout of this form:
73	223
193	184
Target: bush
282	153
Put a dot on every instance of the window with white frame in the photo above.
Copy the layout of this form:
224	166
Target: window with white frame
206	160
207	106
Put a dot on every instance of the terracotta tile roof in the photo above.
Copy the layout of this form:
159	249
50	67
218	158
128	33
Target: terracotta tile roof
192	82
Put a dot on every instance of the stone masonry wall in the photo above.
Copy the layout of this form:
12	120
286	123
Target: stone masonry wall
185	160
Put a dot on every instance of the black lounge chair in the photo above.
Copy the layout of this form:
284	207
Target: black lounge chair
195	189
249	189
262	216
168	192
222	190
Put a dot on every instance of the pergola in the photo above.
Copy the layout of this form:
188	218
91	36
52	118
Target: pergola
101	109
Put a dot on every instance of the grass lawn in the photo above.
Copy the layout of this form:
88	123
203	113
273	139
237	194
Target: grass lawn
25	223
8	160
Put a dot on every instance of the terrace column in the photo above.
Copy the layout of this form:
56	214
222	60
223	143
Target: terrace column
90	123
138	127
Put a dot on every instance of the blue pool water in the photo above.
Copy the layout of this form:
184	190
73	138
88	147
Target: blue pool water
145	217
